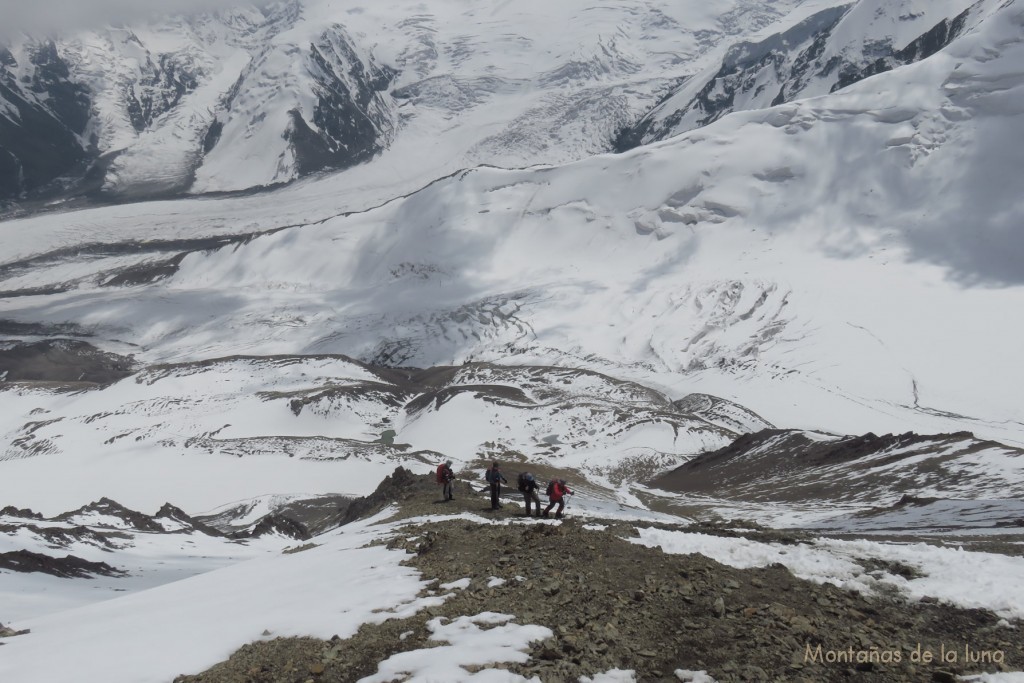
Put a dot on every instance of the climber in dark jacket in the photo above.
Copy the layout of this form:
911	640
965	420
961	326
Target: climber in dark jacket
528	487
495	479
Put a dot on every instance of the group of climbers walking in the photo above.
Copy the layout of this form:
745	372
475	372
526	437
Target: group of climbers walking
527	484
556	492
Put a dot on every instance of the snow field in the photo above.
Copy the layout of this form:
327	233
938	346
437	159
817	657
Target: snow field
150	559
330	589
468	645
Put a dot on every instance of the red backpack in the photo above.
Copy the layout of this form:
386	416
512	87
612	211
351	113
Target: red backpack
440	473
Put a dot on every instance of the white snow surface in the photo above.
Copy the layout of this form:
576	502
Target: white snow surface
188	625
201	434
805	54
690	676
330	589
845	263
820	290
473	641
150	560
510	84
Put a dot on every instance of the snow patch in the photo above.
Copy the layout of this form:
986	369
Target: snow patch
473	641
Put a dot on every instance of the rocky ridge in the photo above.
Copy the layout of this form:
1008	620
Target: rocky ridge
613	604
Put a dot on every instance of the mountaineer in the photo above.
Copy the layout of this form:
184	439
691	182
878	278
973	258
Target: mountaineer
445	477
556	491
528	487
495	478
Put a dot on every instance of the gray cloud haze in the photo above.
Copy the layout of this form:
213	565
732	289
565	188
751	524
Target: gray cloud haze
34	16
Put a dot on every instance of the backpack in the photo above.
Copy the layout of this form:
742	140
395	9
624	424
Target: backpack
440	473
551	488
524	478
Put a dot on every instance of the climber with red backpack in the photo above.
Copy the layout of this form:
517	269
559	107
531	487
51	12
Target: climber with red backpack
445	476
556	491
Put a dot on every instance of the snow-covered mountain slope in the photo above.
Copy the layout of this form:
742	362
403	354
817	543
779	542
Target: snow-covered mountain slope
845	263
241	427
868	289
40	134
296	605
792	466
259	95
103	549
819	48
